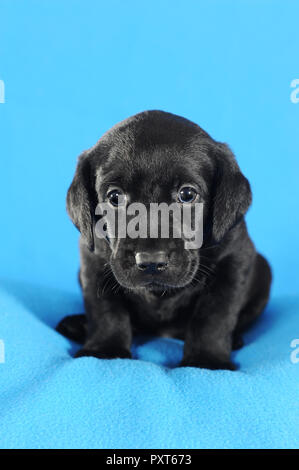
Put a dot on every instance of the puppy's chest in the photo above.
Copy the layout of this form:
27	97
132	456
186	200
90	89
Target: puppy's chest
150	310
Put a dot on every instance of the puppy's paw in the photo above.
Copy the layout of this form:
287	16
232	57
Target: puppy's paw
205	361
104	354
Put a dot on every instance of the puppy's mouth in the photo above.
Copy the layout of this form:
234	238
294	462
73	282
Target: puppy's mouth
162	285
170	279
159	289
158	285
154	284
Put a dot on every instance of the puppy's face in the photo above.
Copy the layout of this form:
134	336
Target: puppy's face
156	158
152	176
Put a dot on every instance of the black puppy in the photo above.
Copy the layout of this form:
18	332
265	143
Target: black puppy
206	296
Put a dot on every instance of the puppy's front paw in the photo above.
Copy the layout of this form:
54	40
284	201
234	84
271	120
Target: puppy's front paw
206	361
104	354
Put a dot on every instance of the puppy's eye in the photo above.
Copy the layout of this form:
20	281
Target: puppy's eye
116	197
187	194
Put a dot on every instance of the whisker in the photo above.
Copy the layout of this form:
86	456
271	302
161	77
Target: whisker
209	269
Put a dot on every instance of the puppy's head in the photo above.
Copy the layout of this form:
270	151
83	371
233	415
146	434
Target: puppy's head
149	159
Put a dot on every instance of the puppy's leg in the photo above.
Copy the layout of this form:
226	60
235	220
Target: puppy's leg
209	344
73	327
109	333
209	335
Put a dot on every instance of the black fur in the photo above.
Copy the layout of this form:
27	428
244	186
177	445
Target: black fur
207	297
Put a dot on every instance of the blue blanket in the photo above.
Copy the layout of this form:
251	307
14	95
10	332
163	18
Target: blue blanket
49	400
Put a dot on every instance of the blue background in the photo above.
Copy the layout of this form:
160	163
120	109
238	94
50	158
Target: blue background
71	70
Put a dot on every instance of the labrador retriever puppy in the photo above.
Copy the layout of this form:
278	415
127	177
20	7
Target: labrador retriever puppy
206	296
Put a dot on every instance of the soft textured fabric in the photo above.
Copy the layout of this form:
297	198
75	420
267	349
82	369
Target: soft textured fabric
50	400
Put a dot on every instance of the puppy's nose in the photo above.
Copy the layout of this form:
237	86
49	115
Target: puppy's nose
151	263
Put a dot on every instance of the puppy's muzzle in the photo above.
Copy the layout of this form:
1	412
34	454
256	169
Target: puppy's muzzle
151	263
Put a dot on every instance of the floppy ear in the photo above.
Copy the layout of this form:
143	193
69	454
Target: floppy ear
232	193
81	199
